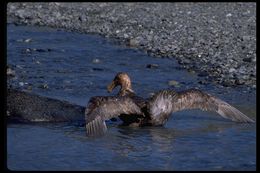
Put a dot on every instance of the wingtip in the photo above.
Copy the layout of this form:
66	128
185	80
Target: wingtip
230	112
96	128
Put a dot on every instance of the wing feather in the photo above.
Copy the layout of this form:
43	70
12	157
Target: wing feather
100	109
193	99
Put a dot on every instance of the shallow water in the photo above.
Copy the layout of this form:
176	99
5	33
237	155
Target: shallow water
65	61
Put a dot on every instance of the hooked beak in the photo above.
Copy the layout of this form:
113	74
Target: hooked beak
111	86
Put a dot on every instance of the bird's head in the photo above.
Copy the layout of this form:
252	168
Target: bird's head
121	79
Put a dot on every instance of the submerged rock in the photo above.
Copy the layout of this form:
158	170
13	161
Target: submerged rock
10	72
152	66
96	61
174	83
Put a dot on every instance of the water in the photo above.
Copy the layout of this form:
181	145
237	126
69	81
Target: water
190	140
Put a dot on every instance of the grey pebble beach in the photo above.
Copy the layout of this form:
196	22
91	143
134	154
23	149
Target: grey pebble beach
216	40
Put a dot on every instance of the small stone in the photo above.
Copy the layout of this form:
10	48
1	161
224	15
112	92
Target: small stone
229	15
174	83
246	38
126	36
28	40
231	70
151	94
203	82
133	42
97	69
10	72
27	50
152	66
19	66
247	59
203	74
96	61
21	83
239	82
29	87
44	86
40	50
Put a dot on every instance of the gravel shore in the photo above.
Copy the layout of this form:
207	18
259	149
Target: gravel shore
216	40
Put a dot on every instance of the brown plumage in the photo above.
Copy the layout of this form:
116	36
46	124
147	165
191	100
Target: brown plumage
137	111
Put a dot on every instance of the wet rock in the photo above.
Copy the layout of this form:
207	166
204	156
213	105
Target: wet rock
133	42
247	59
174	83
151	94
27	50
41	50
232	70
203	82
29	87
97	69
44	86
96	61
10	72
28	40
203	74
239	82
152	66
21	84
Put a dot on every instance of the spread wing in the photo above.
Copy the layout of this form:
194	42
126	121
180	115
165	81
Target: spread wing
100	109
168	101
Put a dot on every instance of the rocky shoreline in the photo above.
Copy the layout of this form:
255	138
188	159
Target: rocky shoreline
216	40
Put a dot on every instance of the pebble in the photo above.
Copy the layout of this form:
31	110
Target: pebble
174	83
44	86
21	84
97	69
28	40
229	15
152	66
231	70
96	61
133	42
247	60
10	72
203	74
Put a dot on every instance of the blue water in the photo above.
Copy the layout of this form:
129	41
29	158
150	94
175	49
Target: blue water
190	140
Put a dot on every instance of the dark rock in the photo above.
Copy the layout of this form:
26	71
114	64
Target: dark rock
96	61
97	69
203	74
10	72
41	50
174	83
152	66
247	59
44	86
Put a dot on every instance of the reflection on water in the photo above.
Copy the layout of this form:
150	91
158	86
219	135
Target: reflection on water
148	148
190	140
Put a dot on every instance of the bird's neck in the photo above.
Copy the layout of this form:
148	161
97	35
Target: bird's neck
126	90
